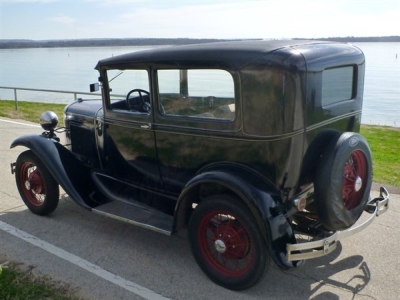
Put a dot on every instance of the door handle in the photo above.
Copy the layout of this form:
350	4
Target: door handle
147	126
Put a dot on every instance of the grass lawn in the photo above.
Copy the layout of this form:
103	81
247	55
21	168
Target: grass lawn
385	147
30	111
18	283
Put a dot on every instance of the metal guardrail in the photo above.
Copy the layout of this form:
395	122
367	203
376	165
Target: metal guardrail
43	90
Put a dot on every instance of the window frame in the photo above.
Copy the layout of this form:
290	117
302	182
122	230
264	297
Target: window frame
121	114
193	122
353	85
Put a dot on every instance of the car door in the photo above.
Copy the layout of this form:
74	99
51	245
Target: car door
129	145
195	119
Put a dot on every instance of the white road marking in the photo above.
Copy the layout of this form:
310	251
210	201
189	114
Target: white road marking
19	123
84	264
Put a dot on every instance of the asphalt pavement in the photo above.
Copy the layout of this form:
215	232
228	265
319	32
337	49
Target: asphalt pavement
102	258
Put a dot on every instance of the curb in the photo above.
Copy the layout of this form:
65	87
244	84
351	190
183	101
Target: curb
391	189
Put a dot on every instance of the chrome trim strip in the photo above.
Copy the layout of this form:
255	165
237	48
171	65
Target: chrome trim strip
325	246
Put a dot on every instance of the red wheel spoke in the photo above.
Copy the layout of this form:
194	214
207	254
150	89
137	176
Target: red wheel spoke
348	183
234	257
354	179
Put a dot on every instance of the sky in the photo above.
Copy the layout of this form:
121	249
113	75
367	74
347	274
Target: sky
234	19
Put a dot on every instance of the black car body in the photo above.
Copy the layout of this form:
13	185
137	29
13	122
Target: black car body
245	143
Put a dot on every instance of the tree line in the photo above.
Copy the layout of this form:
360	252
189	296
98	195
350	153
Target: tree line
16	44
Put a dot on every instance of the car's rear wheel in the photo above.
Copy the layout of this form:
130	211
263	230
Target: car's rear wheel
227	243
37	187
343	181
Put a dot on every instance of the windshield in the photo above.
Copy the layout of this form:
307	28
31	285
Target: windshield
121	82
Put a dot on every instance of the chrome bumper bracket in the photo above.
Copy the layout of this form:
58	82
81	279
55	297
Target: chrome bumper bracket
308	250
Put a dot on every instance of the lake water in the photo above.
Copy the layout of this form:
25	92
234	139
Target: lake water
72	69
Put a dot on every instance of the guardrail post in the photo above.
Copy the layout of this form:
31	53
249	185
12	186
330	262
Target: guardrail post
15	99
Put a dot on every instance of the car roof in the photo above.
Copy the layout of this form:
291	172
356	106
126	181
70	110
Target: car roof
234	53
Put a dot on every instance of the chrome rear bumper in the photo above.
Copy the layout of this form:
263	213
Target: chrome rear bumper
325	246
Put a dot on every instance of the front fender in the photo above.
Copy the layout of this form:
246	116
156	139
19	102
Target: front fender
66	169
264	204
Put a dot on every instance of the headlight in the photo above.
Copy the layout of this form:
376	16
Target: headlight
48	120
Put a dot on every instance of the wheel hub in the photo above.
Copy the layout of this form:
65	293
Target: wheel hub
28	185
231	241
34	183
358	184
220	246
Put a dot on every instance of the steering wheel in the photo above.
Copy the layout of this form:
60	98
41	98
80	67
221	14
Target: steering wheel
143	106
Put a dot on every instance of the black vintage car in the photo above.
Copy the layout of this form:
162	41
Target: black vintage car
250	145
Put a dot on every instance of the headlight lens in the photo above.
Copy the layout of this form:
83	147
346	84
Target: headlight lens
48	120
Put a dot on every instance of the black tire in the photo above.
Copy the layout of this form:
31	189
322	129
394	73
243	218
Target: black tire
343	181
314	152
37	187
227	244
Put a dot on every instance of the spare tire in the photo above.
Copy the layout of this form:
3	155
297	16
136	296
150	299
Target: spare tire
343	181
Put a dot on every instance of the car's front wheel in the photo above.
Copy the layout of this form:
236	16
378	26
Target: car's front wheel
37	187
227	243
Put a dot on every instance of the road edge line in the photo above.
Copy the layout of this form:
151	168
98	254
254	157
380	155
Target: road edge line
82	263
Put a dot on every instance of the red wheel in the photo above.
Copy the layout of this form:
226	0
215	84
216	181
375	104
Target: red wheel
36	186
354	179
227	243
343	181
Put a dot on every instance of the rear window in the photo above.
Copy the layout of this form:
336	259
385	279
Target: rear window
337	85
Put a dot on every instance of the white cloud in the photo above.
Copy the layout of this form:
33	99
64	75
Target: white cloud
203	18
252	19
63	19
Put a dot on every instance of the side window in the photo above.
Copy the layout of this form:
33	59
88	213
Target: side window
197	93
129	90
337	85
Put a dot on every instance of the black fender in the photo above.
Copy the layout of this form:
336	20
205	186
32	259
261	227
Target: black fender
263	203
67	170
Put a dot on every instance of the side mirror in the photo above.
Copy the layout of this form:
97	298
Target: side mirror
94	87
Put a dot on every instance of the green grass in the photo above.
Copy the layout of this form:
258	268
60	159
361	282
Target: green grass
385	147
384	141
30	111
18	284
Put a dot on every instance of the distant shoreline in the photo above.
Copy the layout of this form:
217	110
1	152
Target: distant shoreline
18	44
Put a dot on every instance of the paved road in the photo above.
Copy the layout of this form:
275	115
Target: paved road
106	259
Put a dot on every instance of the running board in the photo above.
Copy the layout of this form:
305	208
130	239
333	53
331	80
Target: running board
137	215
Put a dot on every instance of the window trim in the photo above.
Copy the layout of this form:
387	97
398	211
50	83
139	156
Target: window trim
195	124
190	119
353	86
106	93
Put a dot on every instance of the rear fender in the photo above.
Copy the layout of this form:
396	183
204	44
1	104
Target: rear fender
263	204
70	173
